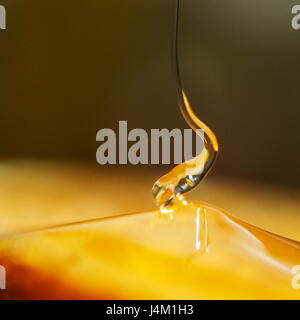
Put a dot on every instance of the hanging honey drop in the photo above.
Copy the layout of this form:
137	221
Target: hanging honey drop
187	175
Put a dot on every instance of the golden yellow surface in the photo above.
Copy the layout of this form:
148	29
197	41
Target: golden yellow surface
40	194
152	256
197	251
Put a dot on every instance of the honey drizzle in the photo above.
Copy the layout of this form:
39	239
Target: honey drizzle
187	175
201	230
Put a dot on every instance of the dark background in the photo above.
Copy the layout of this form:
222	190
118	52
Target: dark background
70	68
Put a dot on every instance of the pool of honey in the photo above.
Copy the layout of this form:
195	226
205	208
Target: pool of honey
195	251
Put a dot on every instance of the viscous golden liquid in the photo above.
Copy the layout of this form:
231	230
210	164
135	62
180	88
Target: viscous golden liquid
193	252
186	176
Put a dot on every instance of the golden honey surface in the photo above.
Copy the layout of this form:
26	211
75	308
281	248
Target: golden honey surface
36	194
194	252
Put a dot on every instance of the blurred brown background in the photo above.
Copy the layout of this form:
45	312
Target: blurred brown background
71	68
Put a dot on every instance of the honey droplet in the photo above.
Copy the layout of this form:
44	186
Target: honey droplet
186	176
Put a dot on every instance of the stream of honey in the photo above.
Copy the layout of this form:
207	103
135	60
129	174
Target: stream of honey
188	175
183	250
